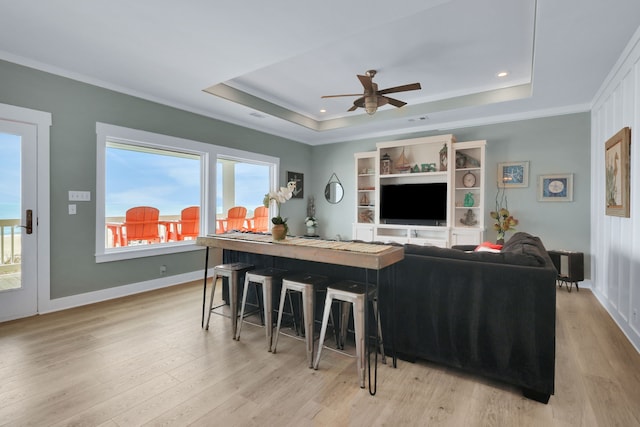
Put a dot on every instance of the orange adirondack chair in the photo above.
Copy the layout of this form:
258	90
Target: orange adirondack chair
189	224
141	223
260	221
236	218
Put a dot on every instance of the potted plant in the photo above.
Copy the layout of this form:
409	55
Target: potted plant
280	227
504	221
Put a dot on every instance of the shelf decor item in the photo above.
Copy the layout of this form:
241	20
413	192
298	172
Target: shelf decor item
469	180
443	158
617	186
469	219
468	200
402	164
385	164
366	216
280	227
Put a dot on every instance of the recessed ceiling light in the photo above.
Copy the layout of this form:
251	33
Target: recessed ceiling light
503	74
323	110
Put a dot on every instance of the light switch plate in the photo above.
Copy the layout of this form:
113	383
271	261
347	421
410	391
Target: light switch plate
72	209
79	196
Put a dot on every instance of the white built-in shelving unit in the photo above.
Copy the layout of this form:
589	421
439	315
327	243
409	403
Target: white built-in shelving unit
421	160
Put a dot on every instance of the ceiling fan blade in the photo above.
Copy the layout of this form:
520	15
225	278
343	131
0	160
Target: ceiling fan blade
353	108
383	100
394	102
336	96
366	83
403	88
358	103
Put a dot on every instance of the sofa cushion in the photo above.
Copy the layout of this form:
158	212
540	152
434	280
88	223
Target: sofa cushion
522	243
513	258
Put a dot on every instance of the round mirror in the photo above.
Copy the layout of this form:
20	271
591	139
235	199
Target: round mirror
333	192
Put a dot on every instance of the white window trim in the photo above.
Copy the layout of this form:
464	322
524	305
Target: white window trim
208	152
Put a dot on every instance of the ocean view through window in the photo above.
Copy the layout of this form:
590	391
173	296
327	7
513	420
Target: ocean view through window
156	193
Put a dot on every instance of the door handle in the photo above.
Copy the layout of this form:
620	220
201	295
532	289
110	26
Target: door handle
29	226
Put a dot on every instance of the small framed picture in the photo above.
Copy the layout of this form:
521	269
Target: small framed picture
555	188
513	174
298	178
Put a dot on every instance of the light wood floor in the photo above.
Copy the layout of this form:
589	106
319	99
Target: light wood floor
144	360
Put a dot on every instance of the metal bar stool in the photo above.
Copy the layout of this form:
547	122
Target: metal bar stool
307	284
233	273
351	293
266	278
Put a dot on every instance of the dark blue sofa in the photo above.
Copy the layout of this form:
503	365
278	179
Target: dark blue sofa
490	314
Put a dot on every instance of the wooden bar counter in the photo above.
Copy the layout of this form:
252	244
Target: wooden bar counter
350	255
354	254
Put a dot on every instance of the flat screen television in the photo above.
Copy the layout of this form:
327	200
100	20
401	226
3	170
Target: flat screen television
414	204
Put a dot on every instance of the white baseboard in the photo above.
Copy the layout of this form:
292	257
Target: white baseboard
623	324
118	292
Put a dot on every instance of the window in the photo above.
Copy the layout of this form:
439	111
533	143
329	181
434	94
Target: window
140	180
146	180
240	183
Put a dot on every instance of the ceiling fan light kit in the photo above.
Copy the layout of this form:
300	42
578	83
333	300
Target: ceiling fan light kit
370	104
372	98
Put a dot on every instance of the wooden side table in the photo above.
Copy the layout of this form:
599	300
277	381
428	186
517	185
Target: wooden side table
570	266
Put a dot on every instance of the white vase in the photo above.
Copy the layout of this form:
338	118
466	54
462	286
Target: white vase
311	231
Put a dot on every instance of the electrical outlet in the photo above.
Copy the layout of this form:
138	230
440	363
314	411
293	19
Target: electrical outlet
635	314
163	269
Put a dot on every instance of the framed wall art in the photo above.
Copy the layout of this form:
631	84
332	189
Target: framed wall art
555	188
617	188
298	178
513	174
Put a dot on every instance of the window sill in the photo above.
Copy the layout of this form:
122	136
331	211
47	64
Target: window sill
118	254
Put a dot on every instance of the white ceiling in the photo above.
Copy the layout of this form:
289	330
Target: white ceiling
279	57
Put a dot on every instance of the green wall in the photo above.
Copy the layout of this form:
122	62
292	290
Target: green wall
75	109
558	144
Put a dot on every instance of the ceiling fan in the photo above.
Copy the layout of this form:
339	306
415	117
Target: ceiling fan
372	98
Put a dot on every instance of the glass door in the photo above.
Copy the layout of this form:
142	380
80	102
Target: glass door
18	220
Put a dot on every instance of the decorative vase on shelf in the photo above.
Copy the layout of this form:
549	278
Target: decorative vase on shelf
311	231
468	200
443	158
279	232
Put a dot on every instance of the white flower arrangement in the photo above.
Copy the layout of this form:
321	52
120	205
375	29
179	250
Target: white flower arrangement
311	221
280	196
